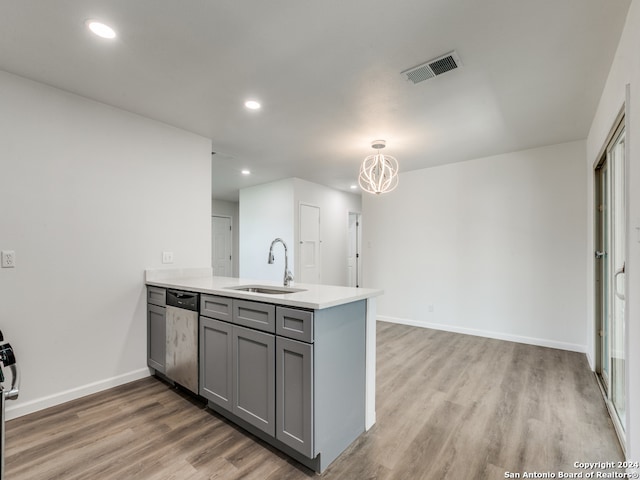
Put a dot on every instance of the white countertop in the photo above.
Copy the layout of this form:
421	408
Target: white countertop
314	297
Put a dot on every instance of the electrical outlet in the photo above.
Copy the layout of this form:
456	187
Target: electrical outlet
8	259
167	257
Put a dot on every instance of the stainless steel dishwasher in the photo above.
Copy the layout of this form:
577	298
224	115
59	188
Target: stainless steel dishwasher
182	339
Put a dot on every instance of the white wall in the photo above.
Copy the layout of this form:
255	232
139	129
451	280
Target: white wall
494	245
266	212
90	197
625	70
230	209
271	210
335	206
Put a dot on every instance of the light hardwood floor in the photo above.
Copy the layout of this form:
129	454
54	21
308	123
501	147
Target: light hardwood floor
449	406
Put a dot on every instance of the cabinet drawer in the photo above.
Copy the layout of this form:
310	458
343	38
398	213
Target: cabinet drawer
294	323
157	296
216	307
260	316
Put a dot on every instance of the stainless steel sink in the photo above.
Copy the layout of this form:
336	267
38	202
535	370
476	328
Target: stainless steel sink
268	289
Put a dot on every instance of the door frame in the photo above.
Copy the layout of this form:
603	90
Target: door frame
597	272
618	125
358	259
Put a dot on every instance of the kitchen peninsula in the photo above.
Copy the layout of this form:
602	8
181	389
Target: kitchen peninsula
294	366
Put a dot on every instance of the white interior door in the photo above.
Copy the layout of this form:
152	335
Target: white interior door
221	246
309	244
353	250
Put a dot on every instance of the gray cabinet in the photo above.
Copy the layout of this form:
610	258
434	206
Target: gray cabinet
156	333
215	361
157	296
294	323
293	377
294	395
214	306
237	364
156	328
254	378
260	316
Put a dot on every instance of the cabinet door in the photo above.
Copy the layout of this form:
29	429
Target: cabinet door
254	378
294	395
156	337
215	361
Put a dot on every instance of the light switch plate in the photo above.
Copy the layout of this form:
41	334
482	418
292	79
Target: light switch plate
8	259
167	257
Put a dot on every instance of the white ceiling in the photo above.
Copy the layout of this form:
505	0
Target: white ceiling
328	75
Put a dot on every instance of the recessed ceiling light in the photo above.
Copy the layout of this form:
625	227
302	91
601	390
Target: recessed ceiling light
246	172
252	105
353	187
100	29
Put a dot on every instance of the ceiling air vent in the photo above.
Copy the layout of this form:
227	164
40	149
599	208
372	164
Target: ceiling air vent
433	68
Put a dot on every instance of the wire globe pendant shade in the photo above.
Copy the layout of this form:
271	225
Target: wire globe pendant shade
378	172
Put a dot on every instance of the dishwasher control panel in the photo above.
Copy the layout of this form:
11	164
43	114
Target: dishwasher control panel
184	300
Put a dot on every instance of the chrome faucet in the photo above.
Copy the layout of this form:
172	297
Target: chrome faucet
287	274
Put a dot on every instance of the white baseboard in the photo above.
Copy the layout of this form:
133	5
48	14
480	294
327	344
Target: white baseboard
31	406
592	364
541	342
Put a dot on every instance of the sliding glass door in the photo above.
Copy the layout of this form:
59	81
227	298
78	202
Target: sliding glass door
610	274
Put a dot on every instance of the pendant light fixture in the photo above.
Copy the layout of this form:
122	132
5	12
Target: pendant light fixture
378	173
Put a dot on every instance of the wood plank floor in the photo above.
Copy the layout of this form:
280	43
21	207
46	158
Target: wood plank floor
449	406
